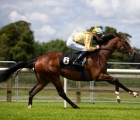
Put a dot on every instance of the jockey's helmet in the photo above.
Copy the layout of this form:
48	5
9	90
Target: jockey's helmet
98	31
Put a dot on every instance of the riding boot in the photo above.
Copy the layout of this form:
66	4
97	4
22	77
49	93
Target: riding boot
79	60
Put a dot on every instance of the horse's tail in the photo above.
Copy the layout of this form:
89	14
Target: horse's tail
25	64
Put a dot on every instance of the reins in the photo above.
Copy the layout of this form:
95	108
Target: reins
122	44
107	49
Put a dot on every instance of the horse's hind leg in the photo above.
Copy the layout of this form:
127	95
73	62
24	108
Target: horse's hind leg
31	97
57	83
125	88
38	87
128	90
112	80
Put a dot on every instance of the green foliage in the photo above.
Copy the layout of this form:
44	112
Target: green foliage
110	30
16	40
38	49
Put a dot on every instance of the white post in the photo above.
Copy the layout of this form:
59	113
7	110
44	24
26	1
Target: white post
65	90
91	93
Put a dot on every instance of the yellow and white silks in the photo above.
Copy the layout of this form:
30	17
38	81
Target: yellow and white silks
81	41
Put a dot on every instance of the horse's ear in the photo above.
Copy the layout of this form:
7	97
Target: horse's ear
117	34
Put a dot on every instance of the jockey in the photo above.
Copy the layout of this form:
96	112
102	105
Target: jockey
82	41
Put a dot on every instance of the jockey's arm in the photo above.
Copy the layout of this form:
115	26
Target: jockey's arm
88	44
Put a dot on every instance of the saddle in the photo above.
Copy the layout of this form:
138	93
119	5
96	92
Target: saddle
67	59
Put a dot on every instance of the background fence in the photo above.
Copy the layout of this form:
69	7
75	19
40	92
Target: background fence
16	89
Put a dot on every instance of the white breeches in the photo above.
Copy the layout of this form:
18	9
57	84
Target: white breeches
73	45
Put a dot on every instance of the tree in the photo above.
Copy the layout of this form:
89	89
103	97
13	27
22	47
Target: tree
38	49
16	41
109	30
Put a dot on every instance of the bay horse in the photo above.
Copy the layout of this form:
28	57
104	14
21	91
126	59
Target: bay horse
47	69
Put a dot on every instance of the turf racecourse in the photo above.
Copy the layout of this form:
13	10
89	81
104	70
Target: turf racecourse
55	111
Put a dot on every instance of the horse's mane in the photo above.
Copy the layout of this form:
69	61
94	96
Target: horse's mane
105	39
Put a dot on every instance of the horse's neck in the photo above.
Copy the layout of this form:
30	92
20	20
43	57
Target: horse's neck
109	48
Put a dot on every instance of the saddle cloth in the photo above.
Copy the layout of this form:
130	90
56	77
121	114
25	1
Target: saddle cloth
67	59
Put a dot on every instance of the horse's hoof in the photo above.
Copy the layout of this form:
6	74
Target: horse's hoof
118	100
76	107
135	94
29	106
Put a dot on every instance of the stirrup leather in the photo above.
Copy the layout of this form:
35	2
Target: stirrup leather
78	63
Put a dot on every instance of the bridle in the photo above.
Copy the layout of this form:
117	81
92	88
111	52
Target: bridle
125	49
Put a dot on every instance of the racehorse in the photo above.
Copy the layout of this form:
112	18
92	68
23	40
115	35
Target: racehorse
47	69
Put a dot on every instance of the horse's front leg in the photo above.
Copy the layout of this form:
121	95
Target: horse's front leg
112	80
57	83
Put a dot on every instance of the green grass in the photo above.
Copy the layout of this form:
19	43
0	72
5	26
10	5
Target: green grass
55	111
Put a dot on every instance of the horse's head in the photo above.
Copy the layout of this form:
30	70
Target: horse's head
124	46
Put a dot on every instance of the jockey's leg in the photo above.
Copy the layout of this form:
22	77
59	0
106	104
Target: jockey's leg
76	46
79	60
73	45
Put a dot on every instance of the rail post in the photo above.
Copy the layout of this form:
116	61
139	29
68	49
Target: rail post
78	93
65	90
9	91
